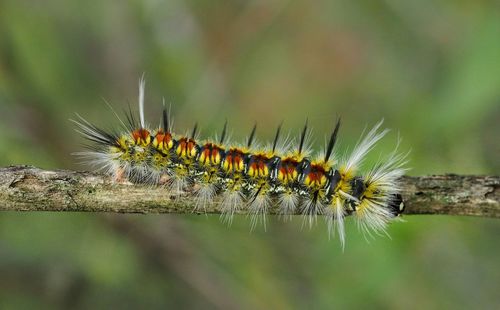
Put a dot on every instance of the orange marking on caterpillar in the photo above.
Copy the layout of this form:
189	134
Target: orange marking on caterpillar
210	154
163	141
141	137
259	166
234	161
316	177
288	170
186	148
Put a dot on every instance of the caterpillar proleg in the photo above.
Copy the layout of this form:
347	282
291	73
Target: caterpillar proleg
252	178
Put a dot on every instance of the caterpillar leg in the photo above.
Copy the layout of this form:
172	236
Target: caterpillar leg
258	208
206	190
288	202
204	195
179	180
313	206
233	199
335	214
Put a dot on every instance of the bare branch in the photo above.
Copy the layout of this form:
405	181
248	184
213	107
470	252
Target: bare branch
26	188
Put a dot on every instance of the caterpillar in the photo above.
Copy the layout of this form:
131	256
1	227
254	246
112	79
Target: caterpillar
285	173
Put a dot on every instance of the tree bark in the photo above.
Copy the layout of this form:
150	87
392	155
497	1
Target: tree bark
27	188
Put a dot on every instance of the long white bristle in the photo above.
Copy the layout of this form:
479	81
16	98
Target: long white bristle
365	146
142	85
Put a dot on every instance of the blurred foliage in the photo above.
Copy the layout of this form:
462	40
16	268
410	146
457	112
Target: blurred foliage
429	68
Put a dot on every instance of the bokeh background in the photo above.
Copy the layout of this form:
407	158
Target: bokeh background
431	69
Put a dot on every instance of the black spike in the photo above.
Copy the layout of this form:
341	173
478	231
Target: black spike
96	134
252	135
333	139
195	129
223	135
130	118
303	137
277	136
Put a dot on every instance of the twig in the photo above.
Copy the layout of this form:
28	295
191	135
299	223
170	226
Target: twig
26	188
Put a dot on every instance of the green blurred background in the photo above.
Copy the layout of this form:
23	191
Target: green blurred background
430	68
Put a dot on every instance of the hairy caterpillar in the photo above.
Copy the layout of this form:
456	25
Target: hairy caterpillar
250	177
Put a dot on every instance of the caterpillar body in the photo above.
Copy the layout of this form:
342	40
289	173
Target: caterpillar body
249	177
